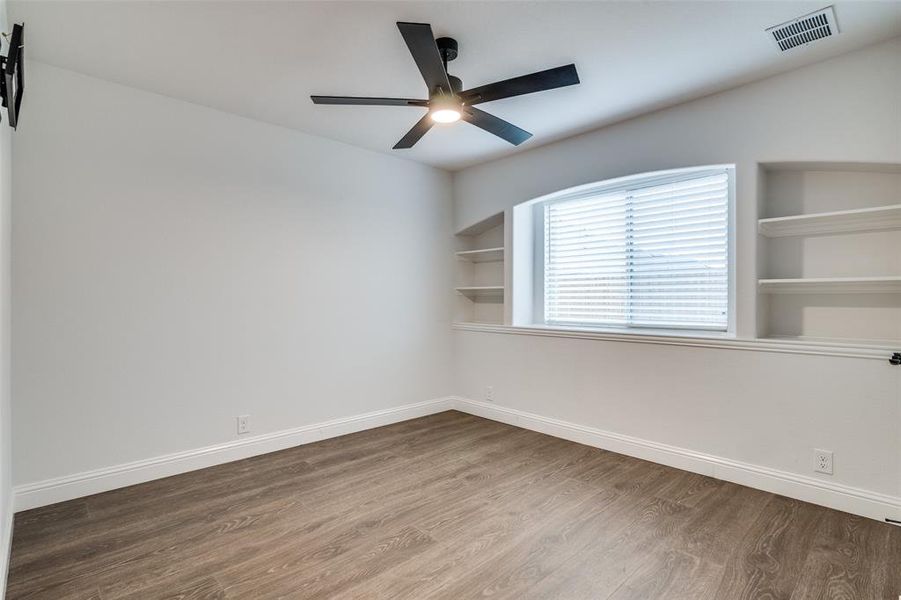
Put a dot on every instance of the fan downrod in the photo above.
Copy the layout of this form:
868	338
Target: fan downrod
456	84
448	49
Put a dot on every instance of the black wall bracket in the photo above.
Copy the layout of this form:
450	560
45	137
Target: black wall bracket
895	359
12	75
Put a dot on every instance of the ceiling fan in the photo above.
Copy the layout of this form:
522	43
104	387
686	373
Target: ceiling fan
448	102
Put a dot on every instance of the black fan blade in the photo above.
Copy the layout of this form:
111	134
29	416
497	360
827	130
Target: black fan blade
421	43
415	134
495	125
368	101
526	84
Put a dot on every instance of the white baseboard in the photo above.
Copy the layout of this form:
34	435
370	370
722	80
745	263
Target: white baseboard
86	483
833	495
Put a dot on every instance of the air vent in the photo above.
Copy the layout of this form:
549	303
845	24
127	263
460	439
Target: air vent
804	30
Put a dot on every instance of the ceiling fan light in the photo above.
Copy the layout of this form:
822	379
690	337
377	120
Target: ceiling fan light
446	115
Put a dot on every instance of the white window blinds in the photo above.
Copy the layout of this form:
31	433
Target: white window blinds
652	255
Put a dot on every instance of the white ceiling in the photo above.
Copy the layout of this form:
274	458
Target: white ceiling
264	59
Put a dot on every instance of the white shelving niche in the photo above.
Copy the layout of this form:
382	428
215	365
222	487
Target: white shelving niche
830	253
480	290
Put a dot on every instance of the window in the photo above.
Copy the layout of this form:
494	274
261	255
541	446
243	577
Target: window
645	252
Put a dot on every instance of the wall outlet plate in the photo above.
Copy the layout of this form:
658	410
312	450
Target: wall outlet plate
822	461
489	393
243	424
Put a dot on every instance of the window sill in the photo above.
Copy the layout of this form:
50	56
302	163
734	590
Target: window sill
699	334
691	339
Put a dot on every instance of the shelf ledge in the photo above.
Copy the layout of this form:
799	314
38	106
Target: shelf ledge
482	291
880	218
832	285
484	255
848	350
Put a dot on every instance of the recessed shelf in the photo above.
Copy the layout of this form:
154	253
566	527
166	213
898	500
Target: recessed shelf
479	296
829	232
849	167
484	255
482	291
844	221
832	285
475	229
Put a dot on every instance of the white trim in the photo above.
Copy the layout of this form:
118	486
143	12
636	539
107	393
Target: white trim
841	497
5	551
672	339
833	495
58	489
539	258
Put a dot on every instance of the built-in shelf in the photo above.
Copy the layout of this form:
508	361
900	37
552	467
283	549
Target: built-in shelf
832	285
479	272
843	221
828	272
484	255
482	291
847	167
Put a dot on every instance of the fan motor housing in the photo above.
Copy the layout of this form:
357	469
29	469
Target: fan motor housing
447	47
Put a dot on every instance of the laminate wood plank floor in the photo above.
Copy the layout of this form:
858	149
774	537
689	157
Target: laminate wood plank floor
449	506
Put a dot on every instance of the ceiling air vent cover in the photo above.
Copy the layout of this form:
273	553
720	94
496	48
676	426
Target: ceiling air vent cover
804	30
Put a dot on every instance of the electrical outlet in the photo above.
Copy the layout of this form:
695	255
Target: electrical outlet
243	424
822	461
489	393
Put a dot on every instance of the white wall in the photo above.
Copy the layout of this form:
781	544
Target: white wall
175	266
6	507
764	409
